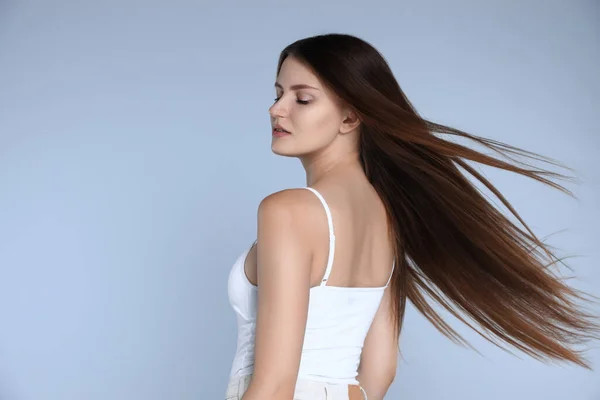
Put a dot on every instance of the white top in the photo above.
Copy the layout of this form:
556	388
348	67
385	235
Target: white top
338	321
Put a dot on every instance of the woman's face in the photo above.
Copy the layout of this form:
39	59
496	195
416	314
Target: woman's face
303	107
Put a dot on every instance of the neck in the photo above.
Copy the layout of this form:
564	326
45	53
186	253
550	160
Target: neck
319	167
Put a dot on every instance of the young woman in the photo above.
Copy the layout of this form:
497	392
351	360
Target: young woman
387	215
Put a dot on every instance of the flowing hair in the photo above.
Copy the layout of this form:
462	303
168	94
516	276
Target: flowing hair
451	244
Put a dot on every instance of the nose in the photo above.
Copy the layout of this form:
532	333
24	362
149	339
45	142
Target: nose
277	110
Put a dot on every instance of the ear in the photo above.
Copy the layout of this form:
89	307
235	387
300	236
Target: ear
351	121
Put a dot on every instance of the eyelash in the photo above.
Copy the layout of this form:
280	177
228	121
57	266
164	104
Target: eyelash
303	102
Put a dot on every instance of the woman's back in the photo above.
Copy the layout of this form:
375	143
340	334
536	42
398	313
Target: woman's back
363	253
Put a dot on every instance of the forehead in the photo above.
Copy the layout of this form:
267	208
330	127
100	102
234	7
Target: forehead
294	72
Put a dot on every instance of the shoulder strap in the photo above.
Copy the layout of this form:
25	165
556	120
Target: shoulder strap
331	236
391	273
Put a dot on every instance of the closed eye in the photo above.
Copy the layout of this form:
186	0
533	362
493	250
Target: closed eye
304	102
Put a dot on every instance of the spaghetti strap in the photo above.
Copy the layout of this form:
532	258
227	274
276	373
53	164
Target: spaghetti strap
331	236
391	273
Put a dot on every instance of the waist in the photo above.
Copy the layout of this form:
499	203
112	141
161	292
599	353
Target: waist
325	365
306	389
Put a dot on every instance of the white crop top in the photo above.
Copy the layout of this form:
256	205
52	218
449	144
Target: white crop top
338	321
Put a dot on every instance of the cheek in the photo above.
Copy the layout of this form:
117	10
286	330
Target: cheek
317	122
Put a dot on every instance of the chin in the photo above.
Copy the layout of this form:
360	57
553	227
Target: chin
281	151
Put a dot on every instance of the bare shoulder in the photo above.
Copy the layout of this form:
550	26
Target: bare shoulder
298	206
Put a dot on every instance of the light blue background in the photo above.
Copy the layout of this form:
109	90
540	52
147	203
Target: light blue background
135	148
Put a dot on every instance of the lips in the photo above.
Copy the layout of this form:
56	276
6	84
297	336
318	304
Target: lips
279	127
277	133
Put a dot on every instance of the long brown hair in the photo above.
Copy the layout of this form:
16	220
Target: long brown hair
451	244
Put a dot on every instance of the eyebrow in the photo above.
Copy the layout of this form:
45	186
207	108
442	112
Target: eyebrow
296	87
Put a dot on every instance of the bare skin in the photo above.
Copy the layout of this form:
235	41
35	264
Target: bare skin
291	254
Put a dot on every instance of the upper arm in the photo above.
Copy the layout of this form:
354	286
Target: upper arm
283	275
379	357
